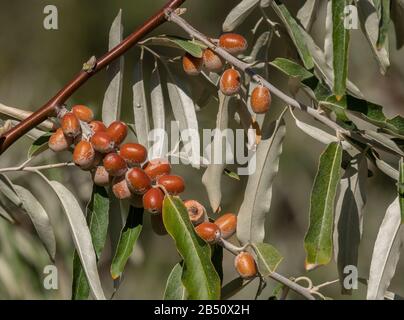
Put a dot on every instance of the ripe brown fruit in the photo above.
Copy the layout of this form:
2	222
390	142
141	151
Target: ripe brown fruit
260	99
233	43
84	155
153	200
83	113
172	183
230	82
212	61
102	142
59	142
114	164
209	232
101	177
158	224
227	224
192	65
70	125
245	265
138	181
120	188
156	168
97	126
118	131
196	212
133	153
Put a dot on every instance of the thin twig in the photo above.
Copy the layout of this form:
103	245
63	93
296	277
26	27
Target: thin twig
246	68
37	168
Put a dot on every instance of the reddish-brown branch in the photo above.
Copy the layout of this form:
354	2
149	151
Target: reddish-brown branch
60	98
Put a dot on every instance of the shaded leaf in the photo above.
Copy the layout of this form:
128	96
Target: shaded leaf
397	15
258	192
81	237
129	235
5	215
268	258
7	189
349	212
384	23
39	145
307	13
175	290
39	219
111	106
291	68
401	188
386	253
199	275
318	240
238	14
295	33
193	47
97	221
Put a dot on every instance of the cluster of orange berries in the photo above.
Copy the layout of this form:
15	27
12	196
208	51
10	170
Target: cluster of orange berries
221	229
230	81
113	163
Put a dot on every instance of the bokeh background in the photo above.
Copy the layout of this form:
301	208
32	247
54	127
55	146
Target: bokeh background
36	63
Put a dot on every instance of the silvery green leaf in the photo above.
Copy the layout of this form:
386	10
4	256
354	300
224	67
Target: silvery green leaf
260	43
140	108
258	192
383	139
81	237
39	219
184	112
307	13
175	290
319	134
158	113
111	106
348	223
328	39
5	215
318	239
386	168
212	177
323	68
7	189
238	14
385	19
386	253
369	20
265	3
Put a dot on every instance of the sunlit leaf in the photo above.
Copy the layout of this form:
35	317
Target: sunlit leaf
129	235
268	258
307	13
199	275
238	14
318	240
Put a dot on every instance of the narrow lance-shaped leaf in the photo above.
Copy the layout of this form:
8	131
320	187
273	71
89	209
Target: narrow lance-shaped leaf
307	13
212	177
340	36
4	214
258	192
349	211
140	108
268	258
81	237
184	112
39	145
238	14
369	20
175	290
318	240
386	253
158	113
97	220
193	47
401	188
111	106
384	23
129	235
39	219
7	189
199	275
397	16
295	33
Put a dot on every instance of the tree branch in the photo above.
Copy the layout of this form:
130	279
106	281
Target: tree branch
60	98
246	68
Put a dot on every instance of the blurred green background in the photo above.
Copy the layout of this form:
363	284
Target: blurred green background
35	63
